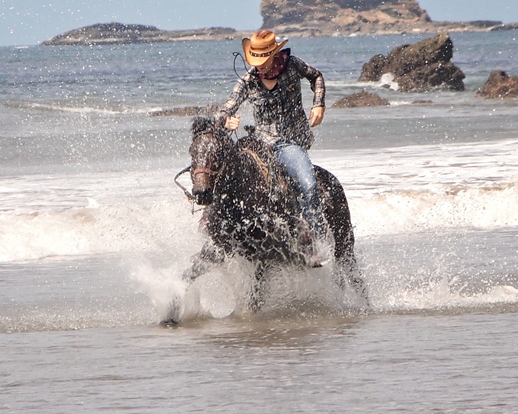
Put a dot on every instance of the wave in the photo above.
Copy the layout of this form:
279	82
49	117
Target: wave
449	207
86	231
386	82
79	107
102	228
92	109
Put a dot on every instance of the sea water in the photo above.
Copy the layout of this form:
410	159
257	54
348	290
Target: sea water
94	236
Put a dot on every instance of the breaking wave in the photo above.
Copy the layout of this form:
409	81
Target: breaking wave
103	229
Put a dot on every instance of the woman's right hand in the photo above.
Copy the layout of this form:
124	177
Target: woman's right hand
232	122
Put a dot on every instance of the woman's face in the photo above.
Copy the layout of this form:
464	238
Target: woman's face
265	67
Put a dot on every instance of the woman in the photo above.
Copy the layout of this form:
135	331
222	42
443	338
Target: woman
273	87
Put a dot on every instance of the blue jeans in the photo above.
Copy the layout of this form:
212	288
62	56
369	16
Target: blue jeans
298	165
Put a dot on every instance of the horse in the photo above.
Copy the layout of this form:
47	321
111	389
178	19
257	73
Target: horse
252	210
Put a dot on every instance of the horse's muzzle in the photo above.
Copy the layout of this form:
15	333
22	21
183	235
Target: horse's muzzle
202	187
202	197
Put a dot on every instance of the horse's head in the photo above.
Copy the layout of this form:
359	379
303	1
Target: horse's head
209	151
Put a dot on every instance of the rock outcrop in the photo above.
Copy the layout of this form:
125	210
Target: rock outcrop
499	85
422	66
338	16
345	17
359	99
186	111
119	33
293	18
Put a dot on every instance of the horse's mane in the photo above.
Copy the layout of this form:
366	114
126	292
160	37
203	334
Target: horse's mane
201	124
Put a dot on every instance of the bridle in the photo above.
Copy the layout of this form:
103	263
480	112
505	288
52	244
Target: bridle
200	170
205	171
187	193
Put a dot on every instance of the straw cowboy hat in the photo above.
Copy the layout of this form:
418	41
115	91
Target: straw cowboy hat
261	47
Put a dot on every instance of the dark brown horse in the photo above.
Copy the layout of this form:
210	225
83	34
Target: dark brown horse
253	211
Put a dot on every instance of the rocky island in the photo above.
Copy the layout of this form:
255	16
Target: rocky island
294	18
119	33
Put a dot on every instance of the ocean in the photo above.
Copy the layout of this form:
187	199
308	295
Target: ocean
94	236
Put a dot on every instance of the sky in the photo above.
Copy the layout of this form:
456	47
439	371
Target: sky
29	22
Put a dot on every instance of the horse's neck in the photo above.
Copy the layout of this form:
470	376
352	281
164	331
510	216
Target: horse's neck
238	170
241	177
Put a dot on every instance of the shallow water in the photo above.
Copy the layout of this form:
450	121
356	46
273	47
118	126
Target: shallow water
415	363
77	334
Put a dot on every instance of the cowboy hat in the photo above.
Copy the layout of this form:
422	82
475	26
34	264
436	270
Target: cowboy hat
261	47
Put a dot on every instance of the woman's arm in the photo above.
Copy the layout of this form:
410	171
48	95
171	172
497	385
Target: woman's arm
226	113
315	78
317	86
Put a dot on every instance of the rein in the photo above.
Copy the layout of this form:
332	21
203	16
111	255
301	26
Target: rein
189	196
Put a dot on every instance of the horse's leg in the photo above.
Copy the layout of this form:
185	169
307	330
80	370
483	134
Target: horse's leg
259	287
338	216
209	256
346	270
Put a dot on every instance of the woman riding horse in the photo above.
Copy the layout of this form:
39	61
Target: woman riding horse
258	188
274	89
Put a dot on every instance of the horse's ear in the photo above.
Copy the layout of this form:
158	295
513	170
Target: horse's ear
201	123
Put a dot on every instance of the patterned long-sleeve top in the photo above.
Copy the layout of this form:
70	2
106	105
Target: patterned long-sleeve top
278	113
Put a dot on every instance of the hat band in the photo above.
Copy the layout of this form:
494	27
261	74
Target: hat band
260	54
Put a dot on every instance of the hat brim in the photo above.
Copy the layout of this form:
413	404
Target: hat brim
260	60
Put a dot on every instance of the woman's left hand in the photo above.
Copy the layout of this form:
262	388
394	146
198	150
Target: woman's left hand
232	122
316	116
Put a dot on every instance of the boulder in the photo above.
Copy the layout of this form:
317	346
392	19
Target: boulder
420	67
363	98
499	85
